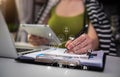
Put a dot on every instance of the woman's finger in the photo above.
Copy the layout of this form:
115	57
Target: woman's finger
68	42
77	41
83	50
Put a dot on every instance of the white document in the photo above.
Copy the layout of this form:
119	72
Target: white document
95	60
43	31
59	55
56	52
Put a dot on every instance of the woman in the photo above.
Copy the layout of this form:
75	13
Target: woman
66	19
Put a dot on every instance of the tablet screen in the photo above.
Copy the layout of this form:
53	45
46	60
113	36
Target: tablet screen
43	31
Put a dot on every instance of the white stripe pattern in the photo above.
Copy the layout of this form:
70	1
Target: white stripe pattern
101	30
105	46
105	40
102	18
102	35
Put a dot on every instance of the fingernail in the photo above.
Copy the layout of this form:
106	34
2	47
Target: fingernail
69	47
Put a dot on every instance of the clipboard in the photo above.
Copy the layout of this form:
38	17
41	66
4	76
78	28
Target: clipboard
43	31
96	63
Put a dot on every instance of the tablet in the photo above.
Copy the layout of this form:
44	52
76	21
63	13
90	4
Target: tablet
43	31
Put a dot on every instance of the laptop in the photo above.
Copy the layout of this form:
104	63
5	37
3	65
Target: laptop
8	47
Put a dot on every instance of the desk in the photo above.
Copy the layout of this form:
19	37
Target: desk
12	68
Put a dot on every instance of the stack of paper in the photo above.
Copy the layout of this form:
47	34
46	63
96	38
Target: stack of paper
58	55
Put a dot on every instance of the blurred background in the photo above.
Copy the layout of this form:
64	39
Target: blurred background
9	10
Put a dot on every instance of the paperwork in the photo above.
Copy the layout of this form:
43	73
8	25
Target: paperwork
56	52
58	55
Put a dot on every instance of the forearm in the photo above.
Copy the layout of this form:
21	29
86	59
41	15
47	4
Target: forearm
93	35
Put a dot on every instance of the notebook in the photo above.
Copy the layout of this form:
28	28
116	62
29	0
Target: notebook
47	55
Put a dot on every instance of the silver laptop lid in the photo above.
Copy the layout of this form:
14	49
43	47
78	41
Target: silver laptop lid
7	48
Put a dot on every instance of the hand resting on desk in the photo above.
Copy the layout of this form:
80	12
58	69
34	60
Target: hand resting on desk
80	45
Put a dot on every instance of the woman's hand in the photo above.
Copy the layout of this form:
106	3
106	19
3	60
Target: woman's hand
80	45
84	42
36	41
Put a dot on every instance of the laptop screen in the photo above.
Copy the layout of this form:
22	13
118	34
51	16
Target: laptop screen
7	48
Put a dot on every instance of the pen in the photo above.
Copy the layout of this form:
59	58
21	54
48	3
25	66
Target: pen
89	53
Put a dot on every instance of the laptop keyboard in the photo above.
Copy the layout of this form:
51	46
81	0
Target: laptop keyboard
22	50
26	50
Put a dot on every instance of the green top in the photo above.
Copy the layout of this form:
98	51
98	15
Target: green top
65	27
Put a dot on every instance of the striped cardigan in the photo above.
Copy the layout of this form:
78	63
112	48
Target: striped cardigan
97	17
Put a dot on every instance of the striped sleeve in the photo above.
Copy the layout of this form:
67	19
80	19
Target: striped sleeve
46	11
101	24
